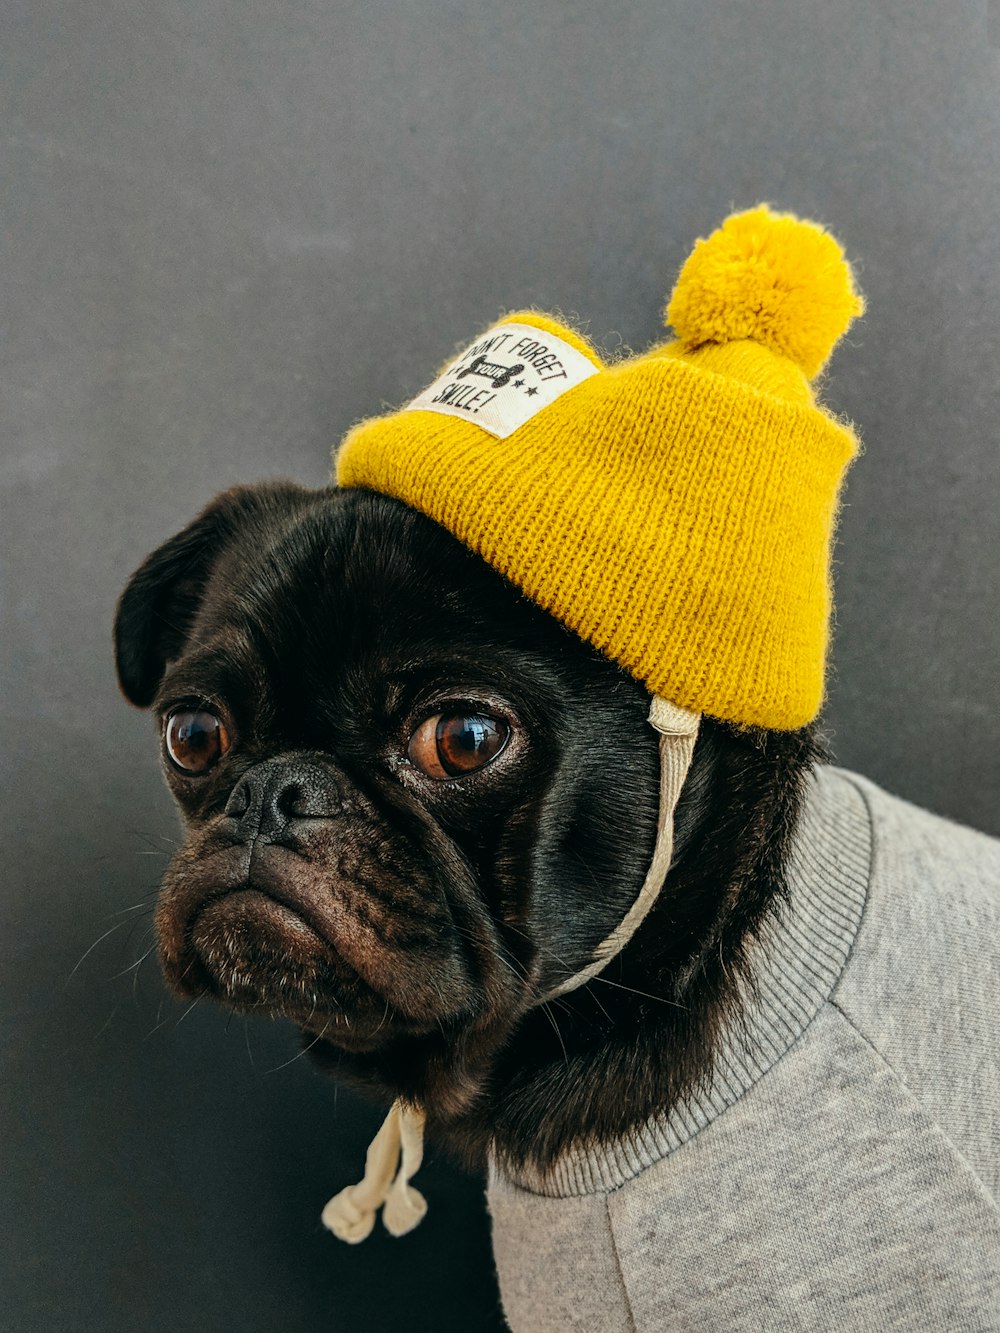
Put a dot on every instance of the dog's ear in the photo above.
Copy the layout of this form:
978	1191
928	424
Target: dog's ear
159	604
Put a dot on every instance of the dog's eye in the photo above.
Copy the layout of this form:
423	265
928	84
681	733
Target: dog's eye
449	745
195	740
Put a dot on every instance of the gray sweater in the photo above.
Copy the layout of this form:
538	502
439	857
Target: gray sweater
842	1170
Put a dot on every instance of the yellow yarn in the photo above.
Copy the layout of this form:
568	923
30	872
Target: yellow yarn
675	510
768	277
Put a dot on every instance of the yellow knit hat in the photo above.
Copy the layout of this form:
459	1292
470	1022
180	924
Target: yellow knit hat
676	509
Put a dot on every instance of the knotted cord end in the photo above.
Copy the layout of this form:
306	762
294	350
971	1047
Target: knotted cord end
394	1157
346	1219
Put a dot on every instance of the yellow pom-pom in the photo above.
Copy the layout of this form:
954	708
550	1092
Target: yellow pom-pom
772	278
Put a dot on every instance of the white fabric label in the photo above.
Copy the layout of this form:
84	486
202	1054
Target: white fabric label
505	378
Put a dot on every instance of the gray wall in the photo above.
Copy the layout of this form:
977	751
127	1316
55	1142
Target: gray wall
230	229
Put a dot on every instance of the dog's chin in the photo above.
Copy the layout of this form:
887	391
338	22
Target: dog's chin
256	955
262	942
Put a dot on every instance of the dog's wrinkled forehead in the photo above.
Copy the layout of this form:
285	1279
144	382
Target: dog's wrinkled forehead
321	601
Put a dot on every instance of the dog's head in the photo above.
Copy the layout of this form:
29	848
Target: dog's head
413	802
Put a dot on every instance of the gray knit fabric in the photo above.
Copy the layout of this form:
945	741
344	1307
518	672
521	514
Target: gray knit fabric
842	1170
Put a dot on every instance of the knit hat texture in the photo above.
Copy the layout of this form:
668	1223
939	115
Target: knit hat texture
675	509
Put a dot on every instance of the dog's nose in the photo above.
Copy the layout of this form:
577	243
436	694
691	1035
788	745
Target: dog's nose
271	796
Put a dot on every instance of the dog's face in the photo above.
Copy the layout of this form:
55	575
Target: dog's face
413	803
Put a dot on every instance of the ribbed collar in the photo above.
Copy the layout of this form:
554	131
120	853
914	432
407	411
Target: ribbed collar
796	963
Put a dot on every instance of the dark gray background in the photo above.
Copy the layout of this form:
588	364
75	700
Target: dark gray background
231	229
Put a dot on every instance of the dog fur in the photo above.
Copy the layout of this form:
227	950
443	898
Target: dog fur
411	928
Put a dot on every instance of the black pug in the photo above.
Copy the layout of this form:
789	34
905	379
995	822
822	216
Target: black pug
415	804
418	808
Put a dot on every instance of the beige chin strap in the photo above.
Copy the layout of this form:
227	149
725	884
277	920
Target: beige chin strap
395	1152
678	730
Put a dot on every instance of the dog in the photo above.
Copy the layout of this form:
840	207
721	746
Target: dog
417	806
405	915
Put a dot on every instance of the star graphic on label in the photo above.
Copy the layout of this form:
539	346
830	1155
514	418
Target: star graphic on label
518	383
530	391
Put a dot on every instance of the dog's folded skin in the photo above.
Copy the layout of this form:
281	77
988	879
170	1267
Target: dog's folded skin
313	658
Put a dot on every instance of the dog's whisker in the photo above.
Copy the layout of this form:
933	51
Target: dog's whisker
660	999
135	986
192	1005
118	925
305	1050
159	1022
132	966
246	1040
136	907
597	1000
555	1027
511	964
517	970
570	968
104	1026
148	839
134	923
